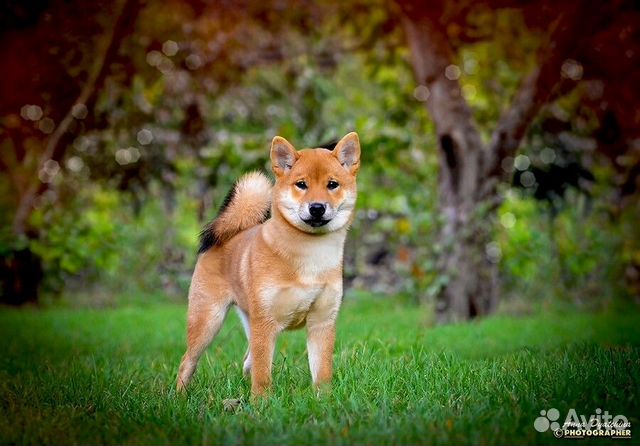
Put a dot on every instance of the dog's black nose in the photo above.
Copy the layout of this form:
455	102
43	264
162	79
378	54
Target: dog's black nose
316	210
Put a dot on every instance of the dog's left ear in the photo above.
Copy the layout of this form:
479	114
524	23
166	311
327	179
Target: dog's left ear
348	152
283	156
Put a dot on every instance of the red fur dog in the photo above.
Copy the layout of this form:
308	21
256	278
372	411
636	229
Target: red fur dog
283	272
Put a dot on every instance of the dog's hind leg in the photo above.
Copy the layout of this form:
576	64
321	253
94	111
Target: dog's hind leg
244	318
207	312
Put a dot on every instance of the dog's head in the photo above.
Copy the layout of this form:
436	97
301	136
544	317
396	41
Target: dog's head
315	189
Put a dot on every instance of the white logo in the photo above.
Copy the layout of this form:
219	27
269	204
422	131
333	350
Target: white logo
542	423
600	424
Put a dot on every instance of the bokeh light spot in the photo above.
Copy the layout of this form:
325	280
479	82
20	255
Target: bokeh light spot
170	48
193	62
79	111
571	69
508	220
528	179
144	137
493	252
548	155
421	93
127	156
522	162
75	164
469	91
470	65
31	112
507	164
47	125
49	170
82	143
154	58
452	72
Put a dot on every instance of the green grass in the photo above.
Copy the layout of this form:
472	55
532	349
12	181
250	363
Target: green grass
107	376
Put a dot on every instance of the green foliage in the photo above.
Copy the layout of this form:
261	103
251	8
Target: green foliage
74	238
86	376
99	238
116	238
577	256
124	211
492	69
569	237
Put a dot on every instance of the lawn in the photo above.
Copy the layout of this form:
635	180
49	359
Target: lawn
107	376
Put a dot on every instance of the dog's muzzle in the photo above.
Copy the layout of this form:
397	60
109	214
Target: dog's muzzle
317	212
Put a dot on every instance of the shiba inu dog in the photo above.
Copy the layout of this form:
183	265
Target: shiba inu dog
280	272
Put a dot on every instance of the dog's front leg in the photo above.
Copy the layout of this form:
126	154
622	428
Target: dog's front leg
262	341
321	332
320	344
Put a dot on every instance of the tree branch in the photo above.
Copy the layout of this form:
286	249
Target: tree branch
541	86
430	56
459	140
127	12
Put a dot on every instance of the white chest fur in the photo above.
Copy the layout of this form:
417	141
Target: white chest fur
311	256
321	258
312	293
291	306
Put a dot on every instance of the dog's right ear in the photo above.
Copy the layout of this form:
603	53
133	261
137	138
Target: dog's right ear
283	156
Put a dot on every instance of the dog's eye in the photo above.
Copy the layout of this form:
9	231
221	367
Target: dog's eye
332	185
301	185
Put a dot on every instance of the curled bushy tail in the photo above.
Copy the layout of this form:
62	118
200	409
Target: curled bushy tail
247	204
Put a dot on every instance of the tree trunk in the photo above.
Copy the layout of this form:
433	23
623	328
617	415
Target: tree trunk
469	170
20	275
57	143
470	285
21	270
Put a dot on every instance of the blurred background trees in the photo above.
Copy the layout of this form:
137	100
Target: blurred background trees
554	43
123	124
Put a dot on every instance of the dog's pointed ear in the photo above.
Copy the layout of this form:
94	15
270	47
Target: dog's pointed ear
348	152
283	156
